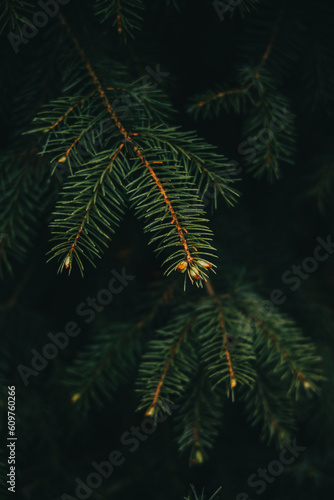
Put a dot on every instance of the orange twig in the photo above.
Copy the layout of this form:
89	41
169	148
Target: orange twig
274	32
70	110
118	19
275	340
117	88
72	249
175	219
222	325
222	94
127	138
172	354
94	77
64	158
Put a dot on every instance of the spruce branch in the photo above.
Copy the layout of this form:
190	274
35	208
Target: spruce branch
168	364
247	6
146	160
212	102
199	420
268	407
202	496
223	337
199	159
226	347
159	195
85	209
231	369
268	129
277	341
273	36
126	15
26	193
96	373
12	13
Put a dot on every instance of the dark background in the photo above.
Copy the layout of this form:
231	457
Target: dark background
272	227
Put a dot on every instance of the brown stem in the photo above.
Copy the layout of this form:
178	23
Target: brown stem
274	32
127	138
222	94
88	210
215	297
172	353
280	347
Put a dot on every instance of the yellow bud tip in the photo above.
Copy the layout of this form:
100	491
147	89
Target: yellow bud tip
233	382
67	262
194	275
307	385
182	266
150	412
198	457
62	159
75	397
205	264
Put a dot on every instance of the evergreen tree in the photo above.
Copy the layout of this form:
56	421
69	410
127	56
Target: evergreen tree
166	249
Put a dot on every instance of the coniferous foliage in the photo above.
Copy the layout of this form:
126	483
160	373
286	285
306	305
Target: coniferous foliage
126	151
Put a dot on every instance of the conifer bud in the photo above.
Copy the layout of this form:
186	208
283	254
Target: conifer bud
194	275
182	266
67	261
205	264
75	397
62	159
150	412
198	455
